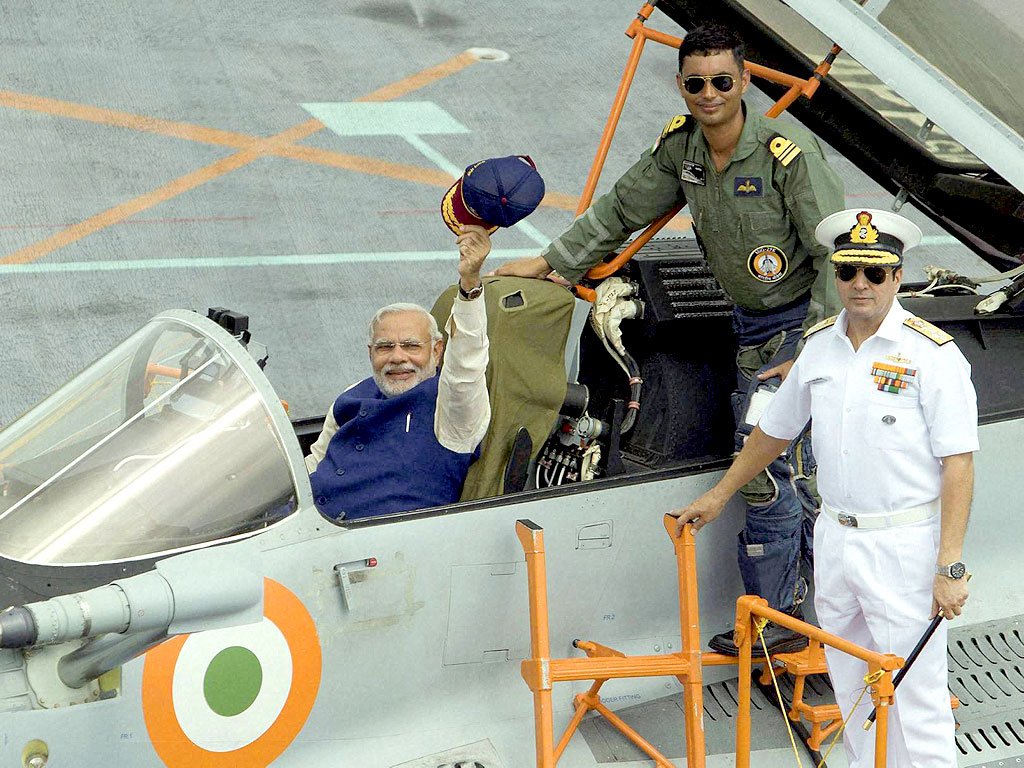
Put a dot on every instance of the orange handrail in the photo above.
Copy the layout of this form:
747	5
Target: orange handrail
640	34
749	606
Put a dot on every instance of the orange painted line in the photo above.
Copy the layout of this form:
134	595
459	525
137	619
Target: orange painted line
421	79
254	149
119	119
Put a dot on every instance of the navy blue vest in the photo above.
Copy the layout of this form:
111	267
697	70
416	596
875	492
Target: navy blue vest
385	456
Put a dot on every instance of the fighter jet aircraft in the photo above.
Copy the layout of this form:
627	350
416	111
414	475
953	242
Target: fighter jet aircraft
179	600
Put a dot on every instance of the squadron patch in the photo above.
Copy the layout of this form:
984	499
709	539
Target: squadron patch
928	330
694	173
748	186
784	150
673	125
767	263
828	322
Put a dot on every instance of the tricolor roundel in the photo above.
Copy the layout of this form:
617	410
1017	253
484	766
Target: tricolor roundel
234	697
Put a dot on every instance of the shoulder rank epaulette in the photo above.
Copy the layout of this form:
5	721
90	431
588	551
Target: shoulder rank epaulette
828	322
783	149
928	330
676	123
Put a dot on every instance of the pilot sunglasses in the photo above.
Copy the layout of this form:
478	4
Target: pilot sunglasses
694	84
875	275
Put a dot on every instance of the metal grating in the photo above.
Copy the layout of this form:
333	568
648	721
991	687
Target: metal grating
986	672
680	283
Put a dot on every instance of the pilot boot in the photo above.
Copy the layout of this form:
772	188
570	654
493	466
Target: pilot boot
770	570
778	639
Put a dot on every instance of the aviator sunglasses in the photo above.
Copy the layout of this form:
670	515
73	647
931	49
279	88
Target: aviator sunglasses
694	84
875	275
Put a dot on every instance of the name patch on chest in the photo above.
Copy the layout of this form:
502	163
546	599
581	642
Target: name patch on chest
892	378
767	263
748	186
692	172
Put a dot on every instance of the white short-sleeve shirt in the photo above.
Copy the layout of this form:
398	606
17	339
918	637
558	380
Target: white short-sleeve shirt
881	416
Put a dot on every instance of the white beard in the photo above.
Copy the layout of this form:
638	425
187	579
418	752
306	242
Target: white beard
392	388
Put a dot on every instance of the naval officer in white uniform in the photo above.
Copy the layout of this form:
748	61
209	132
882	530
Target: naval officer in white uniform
894	424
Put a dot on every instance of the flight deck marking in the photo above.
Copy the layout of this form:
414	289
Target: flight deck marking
254	150
410	120
257	721
217	262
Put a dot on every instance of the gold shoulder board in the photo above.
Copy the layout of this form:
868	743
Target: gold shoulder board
673	125
783	149
928	330
828	322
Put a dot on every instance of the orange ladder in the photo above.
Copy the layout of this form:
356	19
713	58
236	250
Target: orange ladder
601	664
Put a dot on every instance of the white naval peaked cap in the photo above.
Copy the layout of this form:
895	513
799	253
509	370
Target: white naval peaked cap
867	236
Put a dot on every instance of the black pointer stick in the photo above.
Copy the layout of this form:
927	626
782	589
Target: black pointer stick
910	660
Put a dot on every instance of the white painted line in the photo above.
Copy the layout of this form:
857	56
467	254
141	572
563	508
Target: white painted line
246	262
396	118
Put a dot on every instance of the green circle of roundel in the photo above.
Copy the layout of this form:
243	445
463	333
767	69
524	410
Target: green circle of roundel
232	681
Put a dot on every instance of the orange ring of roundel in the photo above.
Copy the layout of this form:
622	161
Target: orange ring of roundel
171	744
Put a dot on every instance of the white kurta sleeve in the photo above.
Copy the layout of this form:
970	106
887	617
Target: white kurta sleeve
463	408
319	449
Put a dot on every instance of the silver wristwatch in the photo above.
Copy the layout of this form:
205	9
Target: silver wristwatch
955	570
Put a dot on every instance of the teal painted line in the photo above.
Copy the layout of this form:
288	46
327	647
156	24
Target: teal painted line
247	262
398	118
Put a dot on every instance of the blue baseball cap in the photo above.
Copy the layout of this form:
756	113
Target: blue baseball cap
493	193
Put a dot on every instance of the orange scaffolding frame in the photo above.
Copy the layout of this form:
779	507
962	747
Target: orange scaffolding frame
602	663
640	34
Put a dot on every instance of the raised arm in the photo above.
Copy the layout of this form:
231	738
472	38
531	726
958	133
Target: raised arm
463	408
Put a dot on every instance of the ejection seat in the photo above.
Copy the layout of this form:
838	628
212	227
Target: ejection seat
529	323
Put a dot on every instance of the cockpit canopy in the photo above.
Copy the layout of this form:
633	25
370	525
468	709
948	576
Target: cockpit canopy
171	440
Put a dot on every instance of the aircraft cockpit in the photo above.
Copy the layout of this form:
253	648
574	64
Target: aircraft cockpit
171	440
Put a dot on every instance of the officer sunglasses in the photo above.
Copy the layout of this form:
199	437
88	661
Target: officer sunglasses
875	275
694	84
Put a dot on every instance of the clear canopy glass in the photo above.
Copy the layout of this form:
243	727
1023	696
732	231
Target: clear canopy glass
162	444
978	44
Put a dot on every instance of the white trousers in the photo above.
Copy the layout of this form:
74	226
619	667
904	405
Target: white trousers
874	588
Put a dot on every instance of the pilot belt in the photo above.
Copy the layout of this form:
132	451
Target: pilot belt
889	520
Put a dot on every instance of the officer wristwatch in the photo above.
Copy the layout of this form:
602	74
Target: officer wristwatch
955	570
472	293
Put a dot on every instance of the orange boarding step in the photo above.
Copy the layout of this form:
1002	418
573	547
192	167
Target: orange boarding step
602	663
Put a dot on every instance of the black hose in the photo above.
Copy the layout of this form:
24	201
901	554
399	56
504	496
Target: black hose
17	628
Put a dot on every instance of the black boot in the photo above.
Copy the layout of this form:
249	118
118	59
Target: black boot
778	639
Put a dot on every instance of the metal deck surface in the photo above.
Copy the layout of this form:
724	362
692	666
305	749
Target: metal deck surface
167	155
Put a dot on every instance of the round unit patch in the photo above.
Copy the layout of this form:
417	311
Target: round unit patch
237	696
767	263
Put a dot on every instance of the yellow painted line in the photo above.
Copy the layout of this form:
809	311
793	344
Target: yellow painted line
253	151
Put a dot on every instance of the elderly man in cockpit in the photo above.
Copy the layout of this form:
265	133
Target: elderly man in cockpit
404	438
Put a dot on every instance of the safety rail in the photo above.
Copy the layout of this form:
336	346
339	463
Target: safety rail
640	34
880	669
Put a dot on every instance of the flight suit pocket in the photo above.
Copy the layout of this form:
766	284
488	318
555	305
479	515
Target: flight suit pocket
761	221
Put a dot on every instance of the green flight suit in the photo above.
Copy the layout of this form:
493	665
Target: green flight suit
755	219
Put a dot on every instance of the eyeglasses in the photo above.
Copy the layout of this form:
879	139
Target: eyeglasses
694	84
875	275
410	347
